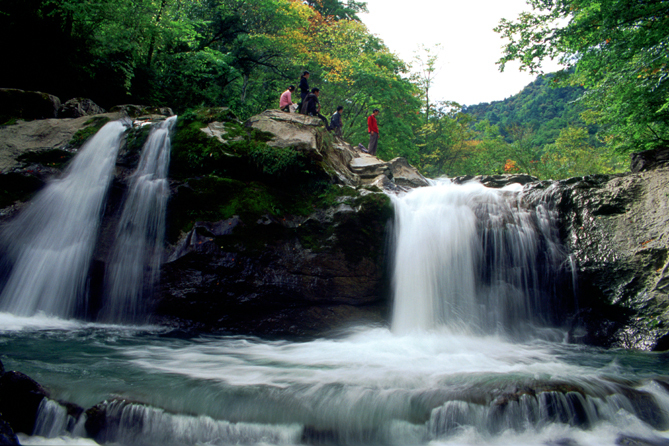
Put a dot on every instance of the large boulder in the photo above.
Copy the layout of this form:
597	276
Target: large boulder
649	159
20	397
78	107
350	165
615	228
27	105
43	135
295	275
292	130
282	251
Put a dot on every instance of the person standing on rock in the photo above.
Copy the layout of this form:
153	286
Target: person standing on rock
286	99
373	130
312	107
335	122
304	89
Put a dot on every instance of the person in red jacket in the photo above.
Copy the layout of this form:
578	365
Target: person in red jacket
373	130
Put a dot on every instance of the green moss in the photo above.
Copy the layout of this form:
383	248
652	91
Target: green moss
361	234
193	152
243	154
10	121
136	137
54	157
92	126
97	121
278	161
214	198
244	176
207	115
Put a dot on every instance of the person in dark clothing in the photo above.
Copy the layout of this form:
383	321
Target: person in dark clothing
312	107
304	88
335	122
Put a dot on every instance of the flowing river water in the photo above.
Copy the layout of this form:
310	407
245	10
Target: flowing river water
475	354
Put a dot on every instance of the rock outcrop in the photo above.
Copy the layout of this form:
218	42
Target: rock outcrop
20	397
650	159
352	166
28	105
78	107
276	227
615	228
301	270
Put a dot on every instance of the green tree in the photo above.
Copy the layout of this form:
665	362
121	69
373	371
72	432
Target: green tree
338	9
524	151
619	51
572	155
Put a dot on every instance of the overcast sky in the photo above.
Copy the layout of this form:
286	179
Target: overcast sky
469	47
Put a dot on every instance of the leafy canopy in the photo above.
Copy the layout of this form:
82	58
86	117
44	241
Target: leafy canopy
619	49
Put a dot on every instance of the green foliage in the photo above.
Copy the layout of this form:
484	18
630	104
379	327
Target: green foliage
278	161
136	137
572	155
338	10
92	127
619	51
539	106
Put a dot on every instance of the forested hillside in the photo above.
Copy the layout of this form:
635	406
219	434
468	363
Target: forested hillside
242	54
539	106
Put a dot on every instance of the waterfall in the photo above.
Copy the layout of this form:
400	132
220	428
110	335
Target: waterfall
473	259
51	242
134	264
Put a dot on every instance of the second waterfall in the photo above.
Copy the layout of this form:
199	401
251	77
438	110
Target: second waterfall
472	259
134	265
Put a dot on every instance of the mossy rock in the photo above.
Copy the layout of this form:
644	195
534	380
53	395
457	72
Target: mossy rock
27	105
359	233
211	114
82	135
54	158
239	152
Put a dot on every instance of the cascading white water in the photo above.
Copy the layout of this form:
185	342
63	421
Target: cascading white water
51	242
472	259
134	264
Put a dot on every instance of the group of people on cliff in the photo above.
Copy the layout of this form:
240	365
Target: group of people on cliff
309	105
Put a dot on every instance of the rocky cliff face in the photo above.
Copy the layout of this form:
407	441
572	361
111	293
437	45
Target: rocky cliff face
275	227
285	258
617	229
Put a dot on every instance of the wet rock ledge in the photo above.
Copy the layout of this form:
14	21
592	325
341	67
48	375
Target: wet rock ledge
282	231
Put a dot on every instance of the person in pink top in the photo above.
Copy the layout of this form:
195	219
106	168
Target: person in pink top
286	99
373	130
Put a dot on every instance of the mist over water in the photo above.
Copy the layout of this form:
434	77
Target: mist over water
368	387
474	355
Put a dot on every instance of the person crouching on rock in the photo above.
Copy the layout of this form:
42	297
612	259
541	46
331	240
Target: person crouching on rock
286	99
312	107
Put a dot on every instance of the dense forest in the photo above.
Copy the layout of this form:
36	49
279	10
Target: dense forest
539	106
242	54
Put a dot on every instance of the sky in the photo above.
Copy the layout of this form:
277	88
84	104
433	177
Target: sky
466	72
